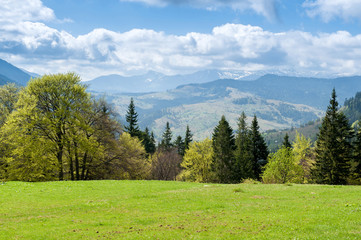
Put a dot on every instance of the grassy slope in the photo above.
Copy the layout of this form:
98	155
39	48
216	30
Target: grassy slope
177	210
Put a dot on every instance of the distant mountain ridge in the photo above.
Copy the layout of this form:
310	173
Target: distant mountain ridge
158	82
11	74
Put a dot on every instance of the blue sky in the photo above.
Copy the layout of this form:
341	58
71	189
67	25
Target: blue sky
128	37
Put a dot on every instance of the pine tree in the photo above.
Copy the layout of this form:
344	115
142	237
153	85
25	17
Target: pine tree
132	120
286	142
243	156
357	157
187	139
148	141
258	149
179	144
223	146
166	142
333	148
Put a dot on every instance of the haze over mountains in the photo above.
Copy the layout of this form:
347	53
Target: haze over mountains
200	99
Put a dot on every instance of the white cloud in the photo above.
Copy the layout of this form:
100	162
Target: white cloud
24	10
330	9
34	46
266	8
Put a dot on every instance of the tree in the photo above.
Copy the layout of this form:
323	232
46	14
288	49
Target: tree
286	142
357	155
166	142
258	149
188	138
148	141
333	147
282	168
223	147
243	155
179	144
197	162
9	95
303	154
47	109
165	164
132	120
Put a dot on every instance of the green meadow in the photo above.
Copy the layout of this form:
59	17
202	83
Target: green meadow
177	210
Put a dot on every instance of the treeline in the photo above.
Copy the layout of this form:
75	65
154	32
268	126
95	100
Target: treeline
52	129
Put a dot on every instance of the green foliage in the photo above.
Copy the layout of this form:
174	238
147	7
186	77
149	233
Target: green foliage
197	162
166	142
132	120
258	149
243	168
304	155
9	94
179	144
148	141
282	168
223	147
188	138
286	142
333	147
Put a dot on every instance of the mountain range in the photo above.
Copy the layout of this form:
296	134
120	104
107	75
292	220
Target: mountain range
200	99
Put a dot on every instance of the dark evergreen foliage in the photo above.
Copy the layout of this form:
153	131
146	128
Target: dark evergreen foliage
243	156
179	144
258	149
286	142
357	155
333	147
223	146
187	139
148	141
166	142
132	120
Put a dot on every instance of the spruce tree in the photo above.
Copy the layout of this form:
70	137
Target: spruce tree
357	156
166	142
179	144
187	139
223	146
333	148
243	156
286	142
258	149
132	120
148	141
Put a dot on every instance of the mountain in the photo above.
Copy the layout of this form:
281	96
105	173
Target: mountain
11	74
157	82
279	102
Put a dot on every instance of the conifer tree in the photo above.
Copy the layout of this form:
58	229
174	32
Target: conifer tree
166	142
258	149
223	146
286	142
243	156
357	156
179	144
148	141
132	120
187	139
333	148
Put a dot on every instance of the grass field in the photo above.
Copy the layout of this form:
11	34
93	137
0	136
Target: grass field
178	210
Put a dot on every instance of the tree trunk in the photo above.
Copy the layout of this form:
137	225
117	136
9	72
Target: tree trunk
76	161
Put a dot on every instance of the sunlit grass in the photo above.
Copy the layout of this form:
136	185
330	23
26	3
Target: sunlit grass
178	210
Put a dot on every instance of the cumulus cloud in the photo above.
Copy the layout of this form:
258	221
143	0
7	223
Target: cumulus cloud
330	9
24	10
266	8
34	46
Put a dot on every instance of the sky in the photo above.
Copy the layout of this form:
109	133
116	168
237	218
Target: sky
318	38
